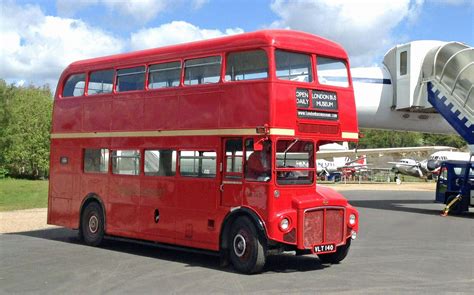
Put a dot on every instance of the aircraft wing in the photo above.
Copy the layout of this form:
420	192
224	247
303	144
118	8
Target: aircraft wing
404	164
345	153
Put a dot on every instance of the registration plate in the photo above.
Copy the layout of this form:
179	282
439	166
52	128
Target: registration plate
324	248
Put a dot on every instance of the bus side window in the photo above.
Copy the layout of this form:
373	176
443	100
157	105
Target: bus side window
96	160
247	65
126	162
100	82
164	75
131	79
202	70
197	164
160	162
74	85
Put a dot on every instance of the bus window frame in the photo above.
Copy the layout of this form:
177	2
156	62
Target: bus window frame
314	169
173	149
164	61
140	161
114	77
269	64
292	50
216	177
221	54
64	82
145	81
329	86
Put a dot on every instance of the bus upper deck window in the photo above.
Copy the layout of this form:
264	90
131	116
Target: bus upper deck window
293	66
164	75
202	70
74	85
100	82
247	65
131	79
332	71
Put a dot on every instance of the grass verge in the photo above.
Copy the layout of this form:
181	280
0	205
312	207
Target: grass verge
17	194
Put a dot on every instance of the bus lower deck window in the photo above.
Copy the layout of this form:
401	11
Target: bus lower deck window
126	162
197	164
96	160
160	163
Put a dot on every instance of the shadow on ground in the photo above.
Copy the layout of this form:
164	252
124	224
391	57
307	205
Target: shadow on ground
282	263
406	206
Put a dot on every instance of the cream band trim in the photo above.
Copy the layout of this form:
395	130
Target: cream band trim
350	135
167	133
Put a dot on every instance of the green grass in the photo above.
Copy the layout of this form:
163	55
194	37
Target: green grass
16	194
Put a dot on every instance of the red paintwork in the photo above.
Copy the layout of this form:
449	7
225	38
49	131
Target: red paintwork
189	206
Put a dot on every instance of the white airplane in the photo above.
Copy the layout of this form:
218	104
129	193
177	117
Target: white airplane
340	165
426	168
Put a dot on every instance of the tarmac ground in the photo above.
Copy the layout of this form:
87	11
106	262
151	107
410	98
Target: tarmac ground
404	246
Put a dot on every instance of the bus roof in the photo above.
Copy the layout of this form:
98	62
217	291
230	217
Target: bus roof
289	39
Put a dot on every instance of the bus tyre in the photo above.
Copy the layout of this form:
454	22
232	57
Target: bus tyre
246	247
92	224
337	256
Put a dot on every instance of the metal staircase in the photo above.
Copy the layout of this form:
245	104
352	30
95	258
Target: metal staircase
448	72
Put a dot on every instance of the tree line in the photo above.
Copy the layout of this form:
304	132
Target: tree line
25	124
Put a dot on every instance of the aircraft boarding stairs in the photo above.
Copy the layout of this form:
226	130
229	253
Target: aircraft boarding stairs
448	73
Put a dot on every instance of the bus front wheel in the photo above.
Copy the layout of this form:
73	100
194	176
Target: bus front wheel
92	224
246	247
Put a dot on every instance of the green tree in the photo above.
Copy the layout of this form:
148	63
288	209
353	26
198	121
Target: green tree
442	139
374	138
25	122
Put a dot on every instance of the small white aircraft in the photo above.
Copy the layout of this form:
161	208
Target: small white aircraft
340	166
426	168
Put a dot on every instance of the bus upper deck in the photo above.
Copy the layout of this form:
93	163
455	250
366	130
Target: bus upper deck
291	83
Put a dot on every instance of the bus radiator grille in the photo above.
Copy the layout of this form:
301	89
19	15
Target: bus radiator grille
316	220
323	129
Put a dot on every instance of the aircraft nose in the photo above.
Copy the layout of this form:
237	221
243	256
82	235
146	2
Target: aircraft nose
433	164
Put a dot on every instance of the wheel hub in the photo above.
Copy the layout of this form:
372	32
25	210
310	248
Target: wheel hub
239	245
93	224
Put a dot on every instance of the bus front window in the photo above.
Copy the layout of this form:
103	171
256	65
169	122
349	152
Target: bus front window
295	162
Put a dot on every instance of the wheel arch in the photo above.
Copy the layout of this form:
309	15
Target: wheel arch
89	198
232	216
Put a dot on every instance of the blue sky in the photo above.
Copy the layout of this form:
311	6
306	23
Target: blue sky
40	38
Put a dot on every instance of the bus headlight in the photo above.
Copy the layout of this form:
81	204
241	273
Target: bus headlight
352	219
284	224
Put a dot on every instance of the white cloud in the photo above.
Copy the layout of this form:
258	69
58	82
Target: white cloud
363	28
174	33
36	47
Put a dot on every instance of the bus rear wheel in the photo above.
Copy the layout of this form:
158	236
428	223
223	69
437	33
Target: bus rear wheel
92	224
247	250
337	256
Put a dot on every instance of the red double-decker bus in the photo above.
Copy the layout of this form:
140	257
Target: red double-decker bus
210	145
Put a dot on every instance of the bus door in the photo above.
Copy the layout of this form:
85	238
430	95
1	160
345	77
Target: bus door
232	172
